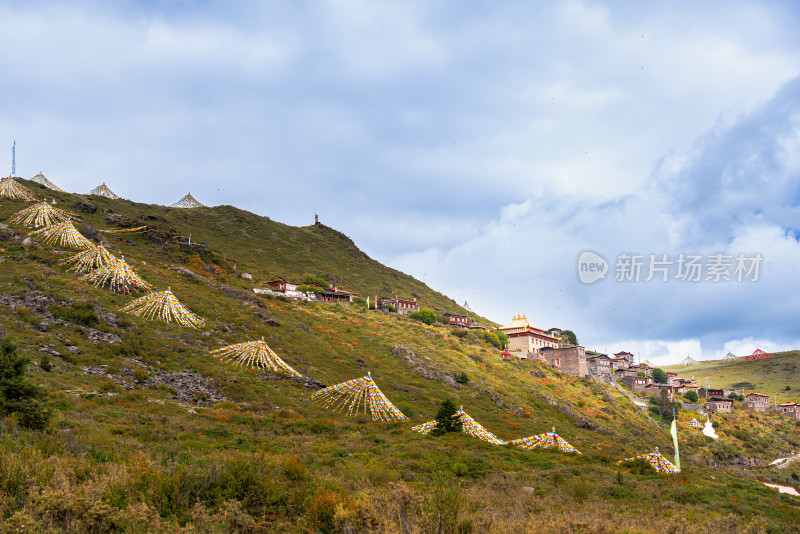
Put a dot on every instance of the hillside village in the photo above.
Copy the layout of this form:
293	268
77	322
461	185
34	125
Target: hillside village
552	347
149	351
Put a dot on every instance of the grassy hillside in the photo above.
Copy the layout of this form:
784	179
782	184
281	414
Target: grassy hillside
249	243
152	434
779	374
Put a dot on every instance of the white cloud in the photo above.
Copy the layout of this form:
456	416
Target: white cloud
377	41
724	198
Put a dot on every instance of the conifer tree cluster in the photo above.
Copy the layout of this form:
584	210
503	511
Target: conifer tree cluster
446	419
18	396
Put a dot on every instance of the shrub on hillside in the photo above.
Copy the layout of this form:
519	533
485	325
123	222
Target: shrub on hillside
459	332
691	396
358	301
18	396
45	363
80	313
140	375
446	419
503	339
492	338
571	337
660	376
462	378
426	316
316	281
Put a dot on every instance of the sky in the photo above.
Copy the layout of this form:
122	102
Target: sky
481	147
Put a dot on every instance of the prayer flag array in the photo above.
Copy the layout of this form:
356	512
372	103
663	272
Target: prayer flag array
359	394
163	306
41	214
103	191
62	234
188	202
88	260
547	440
256	354
40	179
117	276
468	425
13	190
656	460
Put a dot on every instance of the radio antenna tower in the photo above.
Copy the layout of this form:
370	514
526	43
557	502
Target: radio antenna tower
14	159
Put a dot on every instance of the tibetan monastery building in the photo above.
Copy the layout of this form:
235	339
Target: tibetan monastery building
524	340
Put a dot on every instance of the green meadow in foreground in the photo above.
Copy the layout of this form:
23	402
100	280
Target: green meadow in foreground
150	433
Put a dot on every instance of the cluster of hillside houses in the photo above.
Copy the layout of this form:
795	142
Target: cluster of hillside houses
283	288
528	342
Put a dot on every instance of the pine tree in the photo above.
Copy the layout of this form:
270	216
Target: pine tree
18	395
446	419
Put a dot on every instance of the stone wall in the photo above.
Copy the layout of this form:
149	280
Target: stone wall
692	407
520	346
570	360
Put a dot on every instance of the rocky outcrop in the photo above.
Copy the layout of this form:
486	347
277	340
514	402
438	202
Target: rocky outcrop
50	350
740	460
411	358
38	303
227	290
308	382
107	317
190	387
92	233
566	408
120	220
28	242
84	206
413	361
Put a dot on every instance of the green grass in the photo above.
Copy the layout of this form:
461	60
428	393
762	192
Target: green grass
769	375
271	460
